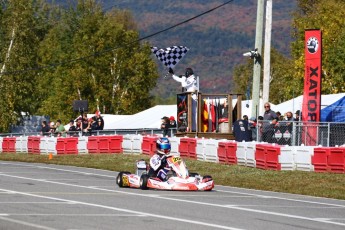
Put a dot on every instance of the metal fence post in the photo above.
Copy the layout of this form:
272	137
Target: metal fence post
328	133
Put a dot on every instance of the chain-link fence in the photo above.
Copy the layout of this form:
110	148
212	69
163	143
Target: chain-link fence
298	133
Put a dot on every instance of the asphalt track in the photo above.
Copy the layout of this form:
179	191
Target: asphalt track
40	196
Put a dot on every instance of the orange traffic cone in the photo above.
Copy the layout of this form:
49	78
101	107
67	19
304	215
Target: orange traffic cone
50	156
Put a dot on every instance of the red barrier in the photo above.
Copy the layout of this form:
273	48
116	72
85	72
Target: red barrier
34	144
260	156
183	147
336	160
9	145
92	144
103	144
187	147
115	144
192	148
272	157
71	145
148	146
319	159
36	140
60	145
227	152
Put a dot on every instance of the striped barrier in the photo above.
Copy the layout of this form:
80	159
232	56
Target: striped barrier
251	154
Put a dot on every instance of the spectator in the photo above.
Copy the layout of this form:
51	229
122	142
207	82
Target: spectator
241	131
253	128
99	119
60	129
298	115
172	122
84	123
280	117
270	119
245	117
45	130
72	129
165	126
52	127
78	126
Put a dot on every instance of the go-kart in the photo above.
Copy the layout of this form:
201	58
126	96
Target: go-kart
178	178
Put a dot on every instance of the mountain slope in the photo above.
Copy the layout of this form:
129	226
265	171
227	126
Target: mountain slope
216	40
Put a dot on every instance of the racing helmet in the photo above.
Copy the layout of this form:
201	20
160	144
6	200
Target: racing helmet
189	71
163	145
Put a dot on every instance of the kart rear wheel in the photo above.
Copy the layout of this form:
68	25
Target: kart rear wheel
119	178
143	181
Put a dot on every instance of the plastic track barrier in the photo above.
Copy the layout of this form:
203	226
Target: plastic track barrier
319	159
227	152
34	144
9	145
148	146
336	160
67	145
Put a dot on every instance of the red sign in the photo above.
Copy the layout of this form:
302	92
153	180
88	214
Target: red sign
312	83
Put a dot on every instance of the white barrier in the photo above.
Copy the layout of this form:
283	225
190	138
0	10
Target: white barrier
286	157
211	150
174	142
127	144
136	145
82	145
303	155
21	144
1	139
200	149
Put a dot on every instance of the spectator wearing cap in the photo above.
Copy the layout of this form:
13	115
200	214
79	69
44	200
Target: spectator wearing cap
60	129
52	127
298	115
172	122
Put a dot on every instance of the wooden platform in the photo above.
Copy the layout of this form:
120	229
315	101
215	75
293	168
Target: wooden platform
228	136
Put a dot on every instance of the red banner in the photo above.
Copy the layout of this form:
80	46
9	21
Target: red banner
312	85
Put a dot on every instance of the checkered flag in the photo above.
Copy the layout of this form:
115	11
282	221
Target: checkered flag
171	55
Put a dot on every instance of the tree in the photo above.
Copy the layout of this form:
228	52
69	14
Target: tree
107	65
22	25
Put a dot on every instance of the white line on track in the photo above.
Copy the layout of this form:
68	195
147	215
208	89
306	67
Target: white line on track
218	190
282	198
188	201
126	210
25	223
56	214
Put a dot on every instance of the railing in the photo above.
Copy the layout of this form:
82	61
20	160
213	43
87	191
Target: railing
171	133
297	133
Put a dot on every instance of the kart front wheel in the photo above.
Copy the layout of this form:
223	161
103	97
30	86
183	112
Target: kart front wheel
143	181
119	179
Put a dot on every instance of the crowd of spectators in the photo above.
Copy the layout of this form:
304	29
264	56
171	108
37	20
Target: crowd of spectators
82	125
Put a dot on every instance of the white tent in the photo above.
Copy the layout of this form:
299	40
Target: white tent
296	103
150	118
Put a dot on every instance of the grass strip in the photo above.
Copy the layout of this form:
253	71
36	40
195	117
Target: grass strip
330	185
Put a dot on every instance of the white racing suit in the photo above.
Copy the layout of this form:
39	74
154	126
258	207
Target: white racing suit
159	167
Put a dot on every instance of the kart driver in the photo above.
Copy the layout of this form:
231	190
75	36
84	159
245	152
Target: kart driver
158	164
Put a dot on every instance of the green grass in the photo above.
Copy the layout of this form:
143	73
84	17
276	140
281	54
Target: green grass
329	185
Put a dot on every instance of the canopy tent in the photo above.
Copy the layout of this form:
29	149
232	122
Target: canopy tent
334	112
328	104
150	118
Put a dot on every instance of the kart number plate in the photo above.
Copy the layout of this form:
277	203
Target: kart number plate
125	181
176	159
